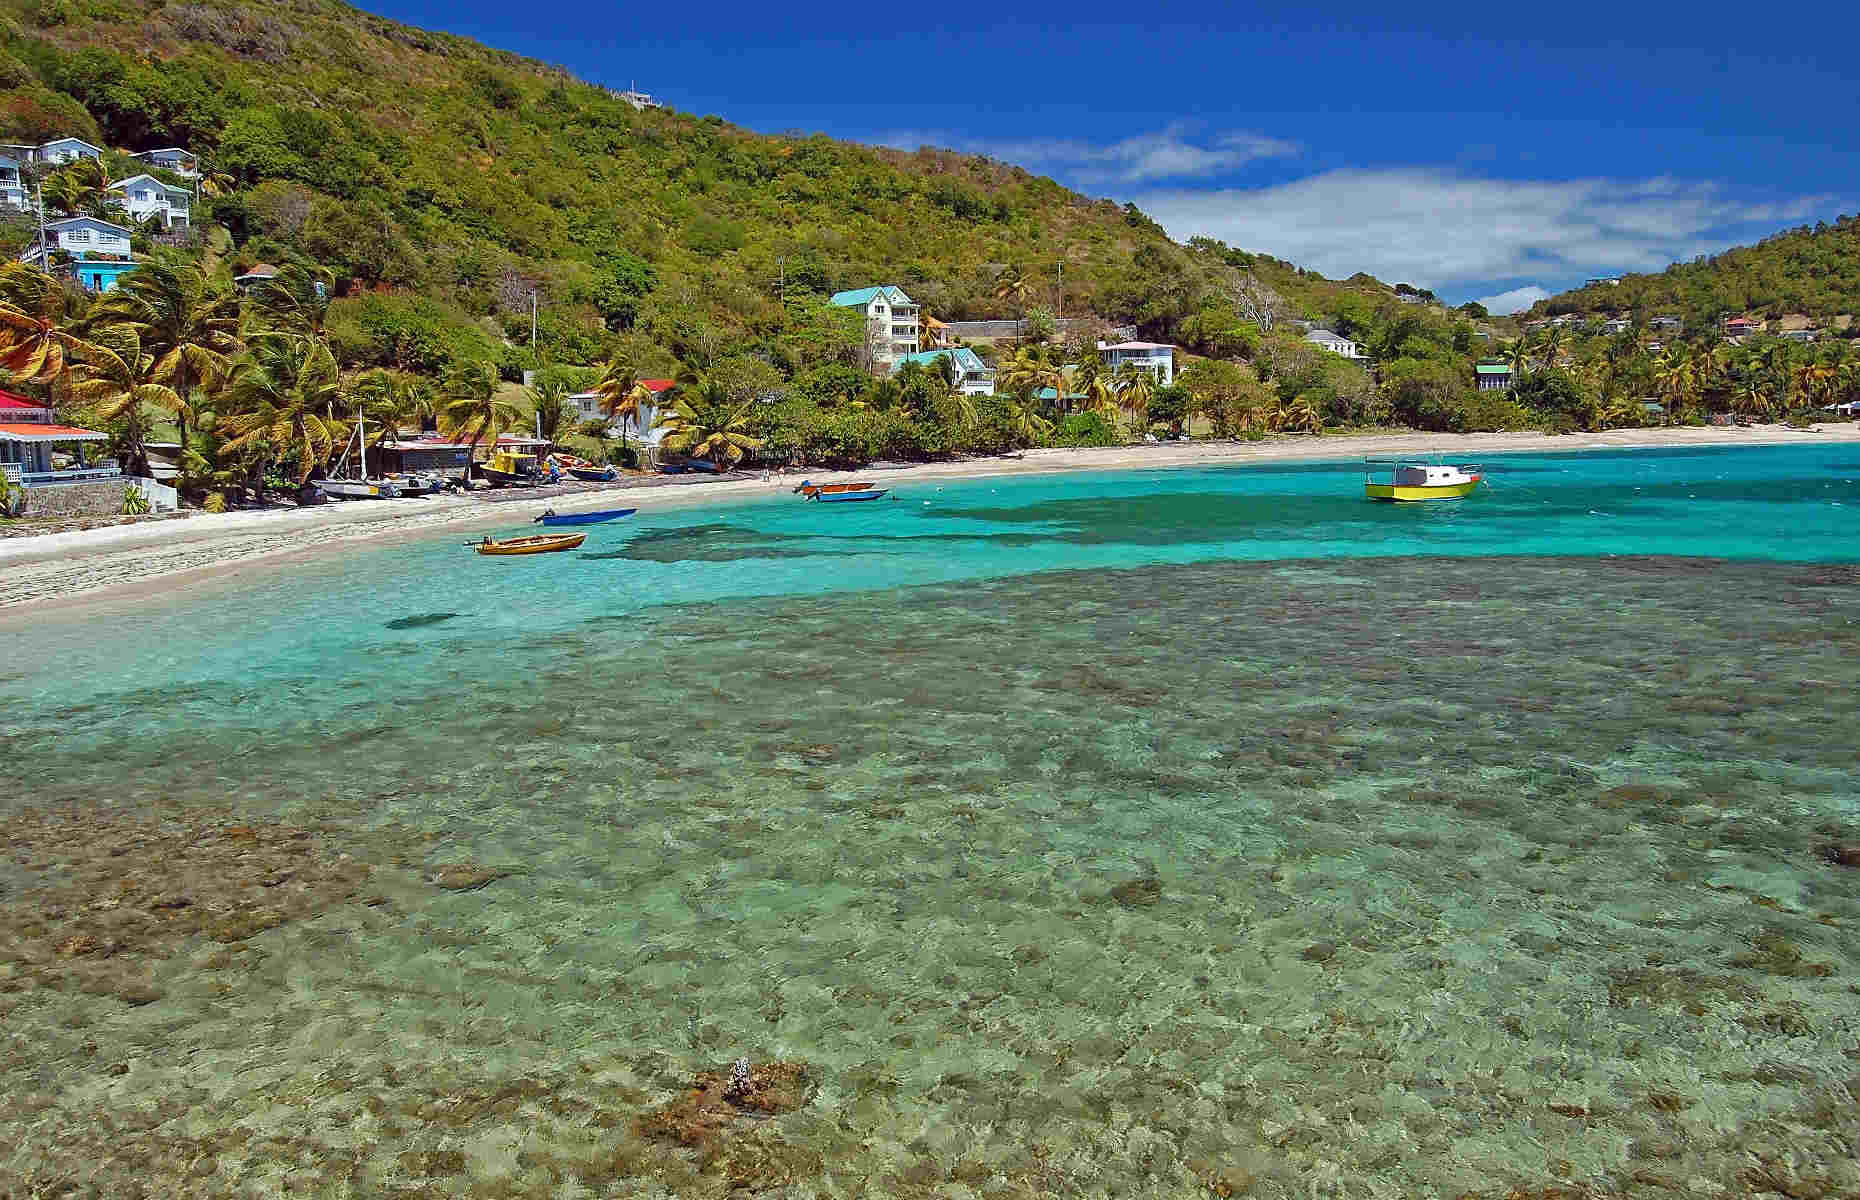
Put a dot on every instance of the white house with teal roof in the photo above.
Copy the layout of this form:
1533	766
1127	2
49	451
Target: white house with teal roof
145	196
973	377
891	321
63	150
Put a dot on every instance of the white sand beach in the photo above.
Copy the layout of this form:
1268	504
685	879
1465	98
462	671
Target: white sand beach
36	570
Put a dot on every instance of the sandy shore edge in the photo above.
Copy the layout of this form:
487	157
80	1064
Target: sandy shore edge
112	560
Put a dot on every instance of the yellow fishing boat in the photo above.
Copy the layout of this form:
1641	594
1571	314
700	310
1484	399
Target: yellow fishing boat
1405	480
542	543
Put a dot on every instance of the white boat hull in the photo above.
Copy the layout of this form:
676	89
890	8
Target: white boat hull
358	489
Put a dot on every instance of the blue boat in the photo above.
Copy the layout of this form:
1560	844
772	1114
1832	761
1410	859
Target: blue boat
551	517
848	497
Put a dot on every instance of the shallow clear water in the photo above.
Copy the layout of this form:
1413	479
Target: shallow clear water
1097	834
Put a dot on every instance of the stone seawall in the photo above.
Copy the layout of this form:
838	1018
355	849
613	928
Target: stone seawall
92	499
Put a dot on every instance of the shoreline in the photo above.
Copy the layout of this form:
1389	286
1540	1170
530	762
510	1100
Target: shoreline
131	559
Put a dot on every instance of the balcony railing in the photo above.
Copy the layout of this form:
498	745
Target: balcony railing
78	475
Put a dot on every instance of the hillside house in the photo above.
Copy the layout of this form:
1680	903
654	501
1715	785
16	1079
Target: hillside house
245	281
590	407
1492	376
1799	335
1602	280
98	252
973	376
60	151
1742	326
1617	325
145	196
13	195
891	321
1336	343
1158	358
172	158
1665	323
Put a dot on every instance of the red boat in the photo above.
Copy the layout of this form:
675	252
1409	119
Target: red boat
811	489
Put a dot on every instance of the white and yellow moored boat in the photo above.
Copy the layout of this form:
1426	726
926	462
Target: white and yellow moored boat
1405	479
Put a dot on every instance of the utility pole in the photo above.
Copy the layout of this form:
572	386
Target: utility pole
532	325
1062	291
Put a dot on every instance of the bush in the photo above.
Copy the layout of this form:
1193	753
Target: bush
1086	429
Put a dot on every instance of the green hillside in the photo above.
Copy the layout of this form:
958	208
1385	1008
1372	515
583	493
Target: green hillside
1813	270
444	187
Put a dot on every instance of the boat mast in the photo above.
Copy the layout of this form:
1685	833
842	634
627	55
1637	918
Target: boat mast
361	438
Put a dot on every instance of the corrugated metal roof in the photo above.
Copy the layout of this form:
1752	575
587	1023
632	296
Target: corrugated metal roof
1492	369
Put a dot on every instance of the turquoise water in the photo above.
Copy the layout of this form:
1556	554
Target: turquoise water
1130	833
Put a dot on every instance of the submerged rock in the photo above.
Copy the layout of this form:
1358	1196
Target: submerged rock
465	877
1138	893
717	1098
1843	856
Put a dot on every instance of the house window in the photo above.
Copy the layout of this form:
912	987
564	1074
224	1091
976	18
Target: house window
77	235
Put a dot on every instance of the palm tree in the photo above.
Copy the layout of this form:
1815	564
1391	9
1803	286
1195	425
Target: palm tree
1300	414
280	395
1675	379
296	300
1813	381
1136	387
703	422
623	396
1012	286
1027	425
189	324
392	399
549	402
117	379
1748	398
1019	374
35	338
82	189
469	405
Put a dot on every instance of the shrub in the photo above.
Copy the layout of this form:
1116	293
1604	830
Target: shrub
1086	429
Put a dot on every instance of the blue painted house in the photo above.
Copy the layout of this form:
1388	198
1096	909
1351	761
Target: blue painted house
98	252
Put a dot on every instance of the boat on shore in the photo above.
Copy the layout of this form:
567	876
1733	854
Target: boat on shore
507	468
346	482
851	497
358	489
811	489
1406	480
552	517
594	474
540	543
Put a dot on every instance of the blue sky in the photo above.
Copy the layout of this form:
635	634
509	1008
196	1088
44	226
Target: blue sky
1484	151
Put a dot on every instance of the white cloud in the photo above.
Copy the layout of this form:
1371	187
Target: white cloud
1438	227
1170	153
1515	300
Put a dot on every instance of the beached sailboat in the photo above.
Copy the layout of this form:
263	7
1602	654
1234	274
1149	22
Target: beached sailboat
1404	480
552	517
811	489
541	543
356	485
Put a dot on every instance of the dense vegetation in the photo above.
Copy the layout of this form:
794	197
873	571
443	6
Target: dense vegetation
1814	271
440	192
